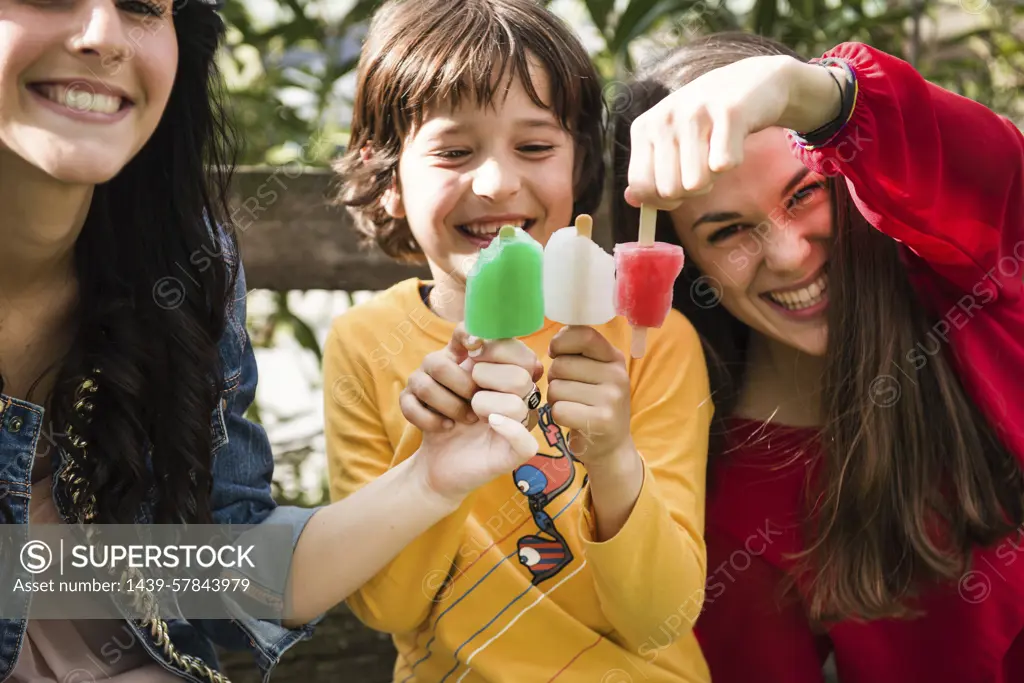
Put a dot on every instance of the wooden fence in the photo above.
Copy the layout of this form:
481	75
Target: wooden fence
293	239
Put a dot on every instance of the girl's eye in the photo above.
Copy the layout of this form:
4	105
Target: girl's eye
142	7
803	193
725	233
536	149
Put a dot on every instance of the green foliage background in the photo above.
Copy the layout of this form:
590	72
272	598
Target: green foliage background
281	47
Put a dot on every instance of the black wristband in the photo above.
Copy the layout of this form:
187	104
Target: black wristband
825	134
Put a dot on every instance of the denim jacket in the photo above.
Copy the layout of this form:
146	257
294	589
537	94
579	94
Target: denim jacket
242	469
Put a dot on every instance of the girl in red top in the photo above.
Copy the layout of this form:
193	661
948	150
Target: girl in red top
858	285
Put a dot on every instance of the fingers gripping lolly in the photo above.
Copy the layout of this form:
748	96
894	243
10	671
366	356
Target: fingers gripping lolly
579	277
504	289
645	274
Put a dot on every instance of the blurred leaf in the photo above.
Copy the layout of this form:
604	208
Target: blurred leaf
765	14
306	337
360	12
599	12
640	16
302	332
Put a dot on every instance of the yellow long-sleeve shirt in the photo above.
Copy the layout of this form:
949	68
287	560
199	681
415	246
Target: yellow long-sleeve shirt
512	587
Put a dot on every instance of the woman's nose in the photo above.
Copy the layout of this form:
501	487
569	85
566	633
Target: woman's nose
786	247
102	33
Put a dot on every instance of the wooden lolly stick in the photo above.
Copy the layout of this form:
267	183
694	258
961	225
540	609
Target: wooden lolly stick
639	345
584	228
648	224
648	227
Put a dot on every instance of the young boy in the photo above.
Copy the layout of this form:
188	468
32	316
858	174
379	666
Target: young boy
587	563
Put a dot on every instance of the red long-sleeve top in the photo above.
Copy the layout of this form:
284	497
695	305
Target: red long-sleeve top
944	176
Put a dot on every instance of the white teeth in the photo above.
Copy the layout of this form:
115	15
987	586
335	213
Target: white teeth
802	298
490	229
81	100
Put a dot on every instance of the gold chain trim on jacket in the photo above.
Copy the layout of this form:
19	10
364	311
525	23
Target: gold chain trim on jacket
84	513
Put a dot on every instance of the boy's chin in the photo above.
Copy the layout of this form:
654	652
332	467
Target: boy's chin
457	266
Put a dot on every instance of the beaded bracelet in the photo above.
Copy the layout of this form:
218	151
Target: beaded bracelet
824	135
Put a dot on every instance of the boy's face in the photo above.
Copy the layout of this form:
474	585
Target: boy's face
465	173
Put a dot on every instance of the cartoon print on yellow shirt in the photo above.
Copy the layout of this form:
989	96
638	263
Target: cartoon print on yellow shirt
541	479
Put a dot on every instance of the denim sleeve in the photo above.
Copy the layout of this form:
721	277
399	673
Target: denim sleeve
243	467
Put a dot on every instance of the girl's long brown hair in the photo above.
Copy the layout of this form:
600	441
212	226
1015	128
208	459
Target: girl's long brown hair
913	476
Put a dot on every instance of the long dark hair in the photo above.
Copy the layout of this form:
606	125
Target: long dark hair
905	491
159	367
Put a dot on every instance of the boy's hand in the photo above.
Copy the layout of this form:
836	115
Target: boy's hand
453	387
589	393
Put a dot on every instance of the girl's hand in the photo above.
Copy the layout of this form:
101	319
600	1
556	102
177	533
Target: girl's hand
453	387
681	145
589	393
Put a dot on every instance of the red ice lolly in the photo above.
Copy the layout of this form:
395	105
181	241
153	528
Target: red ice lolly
645	273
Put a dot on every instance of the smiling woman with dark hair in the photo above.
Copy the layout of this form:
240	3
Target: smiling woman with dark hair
125	365
854	238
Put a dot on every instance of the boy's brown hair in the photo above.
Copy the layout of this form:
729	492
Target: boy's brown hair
420	52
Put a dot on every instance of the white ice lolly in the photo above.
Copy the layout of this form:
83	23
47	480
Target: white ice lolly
579	277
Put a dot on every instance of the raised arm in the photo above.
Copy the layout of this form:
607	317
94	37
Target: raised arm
941	173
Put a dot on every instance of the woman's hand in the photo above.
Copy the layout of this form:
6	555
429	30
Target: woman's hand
681	145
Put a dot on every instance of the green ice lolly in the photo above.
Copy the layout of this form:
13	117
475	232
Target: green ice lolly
505	288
